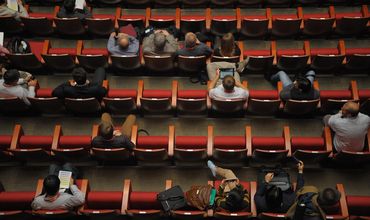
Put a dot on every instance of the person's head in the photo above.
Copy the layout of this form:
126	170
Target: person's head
123	42
303	84
2	2
274	197
51	185
11	77
69	5
350	109
106	130
227	45
228	83
190	40
328	197
234	199
79	76
159	41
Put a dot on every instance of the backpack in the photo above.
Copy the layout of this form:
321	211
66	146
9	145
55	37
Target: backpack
172	199
305	207
18	45
281	177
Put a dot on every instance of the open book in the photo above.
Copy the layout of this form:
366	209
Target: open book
80	4
12	4
1	38
65	178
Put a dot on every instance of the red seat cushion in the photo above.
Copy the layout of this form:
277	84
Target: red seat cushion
256	53
364	93
268	143
224	17
348	14
264	94
36	48
290	52
254	17
192	94
192	17
144	200
70	51
324	51
359	205
351	51
122	93
104	16
307	16
30	142
104	200
157	93
308	143
192	142
16	200
335	94
291	16
152	142
95	51
49	16
83	141
5	141
44	92
229	142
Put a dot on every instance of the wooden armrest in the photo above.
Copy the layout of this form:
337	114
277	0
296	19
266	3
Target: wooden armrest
307	50
95	131
56	136
134	134
105	84
300	16
245	83
56	10
147	16
365	10
171	140
40	184
269	16
126	195
84	188
17	133
241	47
209	58
118	15
140	90
238	20
317	87
274	52
253	193
287	139
332	15
342	201
208	19
177	21
45	49
354	90
248	140
168	184
279	89
210	137
342	50
174	89
80	46
328	140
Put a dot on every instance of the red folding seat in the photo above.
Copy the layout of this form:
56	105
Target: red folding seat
16	205
195	3
191	64
357	58
138	3
260	58
141	204
193	20
263	102
229	149
333	100
269	149
45	103
136	17
222	21
69	26
192	150
277	3
122	63
156	101
153	149
358	207
166	3
222	3
364	95
39	23
316	22
102	24
12	105
192	102
350	23
249	3
290	59
82	106
121	101
30	61
253	25
312	150
5	141
284	25
324	58
91	58
163	18
59	59
159	64
30	147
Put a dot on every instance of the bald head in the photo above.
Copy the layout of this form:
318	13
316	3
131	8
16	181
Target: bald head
123	42
350	109
190	40
159	41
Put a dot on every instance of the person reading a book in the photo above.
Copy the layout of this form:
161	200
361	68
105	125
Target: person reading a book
72	9
17	13
56	196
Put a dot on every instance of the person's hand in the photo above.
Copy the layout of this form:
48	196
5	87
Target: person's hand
165	32
218	74
121	35
117	133
28	78
300	166
32	83
269	177
113	34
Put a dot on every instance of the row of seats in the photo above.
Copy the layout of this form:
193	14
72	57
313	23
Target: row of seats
183	150
186	102
137	204
275	54
247	22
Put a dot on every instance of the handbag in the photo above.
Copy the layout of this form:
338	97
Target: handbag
172	199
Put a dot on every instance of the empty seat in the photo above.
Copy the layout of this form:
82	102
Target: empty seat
8	24
291	60
91	58
223	21
333	100
193	20
163	18
358	207
325	59
45	103
253	26
69	26
29	61
357	59
121	101
12	105
82	106
191	102
59	59
136	17
285	25
125	62
260	59
316	22
263	102
39	25
16	205
191	64
351	23
101	24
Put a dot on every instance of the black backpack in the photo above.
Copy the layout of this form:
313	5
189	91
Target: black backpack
18	45
305	207
172	199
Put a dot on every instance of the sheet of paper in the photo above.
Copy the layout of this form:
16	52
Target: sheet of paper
1	38
80	4
65	178
12	4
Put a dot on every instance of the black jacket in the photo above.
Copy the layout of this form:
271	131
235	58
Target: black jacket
90	90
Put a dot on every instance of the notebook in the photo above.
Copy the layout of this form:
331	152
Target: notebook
226	72
80	4
65	178
12	4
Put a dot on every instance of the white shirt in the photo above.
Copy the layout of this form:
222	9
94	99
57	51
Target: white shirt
220	94
17	91
350	133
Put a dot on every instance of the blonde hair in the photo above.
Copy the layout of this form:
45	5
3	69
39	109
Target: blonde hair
227	45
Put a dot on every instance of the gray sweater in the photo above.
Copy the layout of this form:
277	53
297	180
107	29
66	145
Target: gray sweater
64	201
5	11
17	91
115	49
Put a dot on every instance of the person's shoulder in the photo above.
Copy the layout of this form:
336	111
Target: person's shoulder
364	117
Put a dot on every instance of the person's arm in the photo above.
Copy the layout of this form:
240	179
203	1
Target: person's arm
300	180
134	44
111	45
35	205
22	11
285	93
59	91
240	85
77	199
332	122
172	42
31	88
213	83
128	144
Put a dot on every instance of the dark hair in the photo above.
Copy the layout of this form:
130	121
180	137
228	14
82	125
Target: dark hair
2	2
274	197
79	75
69	5
304	84
51	185
11	76
234	199
329	197
106	131
228	83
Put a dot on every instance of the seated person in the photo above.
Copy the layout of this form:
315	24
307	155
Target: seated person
110	138
80	86
17	14
229	89
270	198
299	89
161	42
350	127
227	47
69	10
193	47
122	44
11	85
4	51
231	195
52	197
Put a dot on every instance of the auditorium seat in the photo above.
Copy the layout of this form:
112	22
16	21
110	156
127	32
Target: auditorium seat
193	20
34	148
339	210
308	2
357	56
325	58
166	3
263	102
9	25
12	105
135	17
249	3
364	95
120	101
164	18
138	3
82	106
45	103
5	141
284	25
102	25
59	59
159	64
195	3
290	58
69	26
222	3
232	59
39	23
259	54
191	64
312	150
153	150
15	204
156	101
29	61
91	58
222	21
317	22
358	207
191	102
277	3
350	23
253	24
